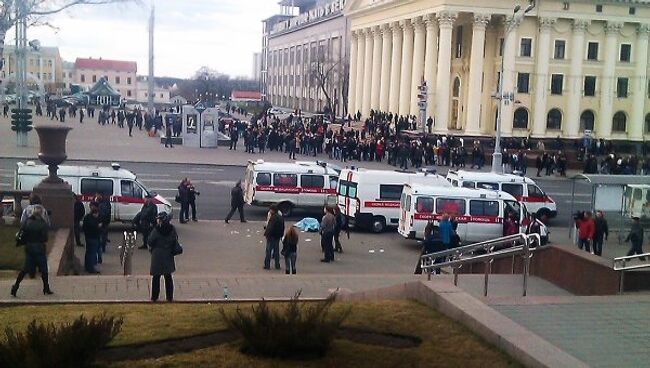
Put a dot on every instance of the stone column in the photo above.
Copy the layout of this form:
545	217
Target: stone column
395	68
418	63
509	71
431	60
472	127
367	74
361	50
541	76
639	83
575	80
352	87
407	67
446	22
386	50
604	127
376	68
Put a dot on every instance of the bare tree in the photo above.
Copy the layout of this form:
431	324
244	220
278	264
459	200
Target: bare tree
36	11
344	85
323	72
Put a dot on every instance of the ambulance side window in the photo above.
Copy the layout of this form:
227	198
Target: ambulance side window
469	184
483	208
486	185
263	179
452	206
334	181
352	190
516	190
130	189
424	205
285	180
390	192
343	187
534	191
312	181
94	186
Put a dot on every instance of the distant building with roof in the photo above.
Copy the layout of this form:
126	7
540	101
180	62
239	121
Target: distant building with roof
246	96
44	64
121	74
161	94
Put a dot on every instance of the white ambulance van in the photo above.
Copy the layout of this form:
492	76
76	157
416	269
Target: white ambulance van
370	198
303	184
125	193
480	213
522	188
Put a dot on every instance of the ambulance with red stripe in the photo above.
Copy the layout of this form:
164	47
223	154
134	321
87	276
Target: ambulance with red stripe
125	192
479	212
370	198
522	188
302	184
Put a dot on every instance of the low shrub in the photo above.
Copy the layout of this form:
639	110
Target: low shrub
297	330
67	345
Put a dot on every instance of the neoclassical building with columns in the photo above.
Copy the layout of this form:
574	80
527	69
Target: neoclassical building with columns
571	65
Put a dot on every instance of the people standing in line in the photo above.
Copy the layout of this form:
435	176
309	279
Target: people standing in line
273	233
192	198
184	199
79	213
161	243
145	220
105	218
327	228
340	225
586	229
236	202
92	228
290	250
35	236
601	232
636	238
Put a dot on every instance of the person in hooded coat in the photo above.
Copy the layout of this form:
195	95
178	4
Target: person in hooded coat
161	243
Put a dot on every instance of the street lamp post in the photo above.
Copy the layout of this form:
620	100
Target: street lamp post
505	97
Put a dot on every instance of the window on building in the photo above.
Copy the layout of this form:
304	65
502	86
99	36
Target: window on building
128	80
128	93
520	120
162	95
501	46
526	47
49	63
94	78
619	122
592	51
626	53
560	47
599	8
587	119
459	42
554	120
83	78
632	10
621	87
557	84
523	80
117	80
590	85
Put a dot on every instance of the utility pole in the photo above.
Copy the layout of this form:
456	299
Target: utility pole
422	105
150	79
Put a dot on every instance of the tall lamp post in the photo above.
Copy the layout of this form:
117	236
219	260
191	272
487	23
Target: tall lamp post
505	97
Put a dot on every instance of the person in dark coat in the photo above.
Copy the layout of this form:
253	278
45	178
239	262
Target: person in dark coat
161	243
601	232
92	231
35	239
236	202
184	197
339	226
193	193
327	229
145	220
104	206
79	213
273	233
432	243
290	250
636	238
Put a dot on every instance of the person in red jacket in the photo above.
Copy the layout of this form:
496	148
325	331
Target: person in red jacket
586	229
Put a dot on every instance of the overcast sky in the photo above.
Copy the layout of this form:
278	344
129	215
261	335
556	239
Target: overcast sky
222	34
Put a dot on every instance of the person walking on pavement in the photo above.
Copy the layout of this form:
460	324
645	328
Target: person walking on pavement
184	199
145	220
35	235
236	202
92	228
290	250
79	213
161	243
327	228
105	217
192	199
273	233
168	135
636	238
586	229
601	231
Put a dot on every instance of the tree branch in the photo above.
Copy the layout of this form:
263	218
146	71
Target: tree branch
72	3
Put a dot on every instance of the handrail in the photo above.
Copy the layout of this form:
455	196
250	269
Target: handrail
517	244
623	267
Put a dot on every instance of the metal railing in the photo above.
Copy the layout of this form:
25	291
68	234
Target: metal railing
486	252
126	251
620	264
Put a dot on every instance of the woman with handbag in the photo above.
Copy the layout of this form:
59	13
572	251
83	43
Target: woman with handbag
163	245
33	234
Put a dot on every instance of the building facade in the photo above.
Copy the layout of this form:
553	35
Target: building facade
161	96
300	49
570	65
120	74
44	66
257	66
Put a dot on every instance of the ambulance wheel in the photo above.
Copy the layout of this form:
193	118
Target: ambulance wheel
378	224
286	208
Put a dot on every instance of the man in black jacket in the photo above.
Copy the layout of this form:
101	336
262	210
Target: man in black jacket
104	207
92	227
145	220
273	233
236	202
601	232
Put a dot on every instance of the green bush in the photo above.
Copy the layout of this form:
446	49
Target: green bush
298	330
67	345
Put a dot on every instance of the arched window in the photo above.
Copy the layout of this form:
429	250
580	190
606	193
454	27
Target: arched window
456	89
554	120
619	122
587	120
647	123
520	120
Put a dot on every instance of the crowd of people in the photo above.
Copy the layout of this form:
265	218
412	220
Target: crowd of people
592	232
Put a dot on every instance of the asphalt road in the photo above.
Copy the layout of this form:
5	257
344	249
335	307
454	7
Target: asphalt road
214	184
